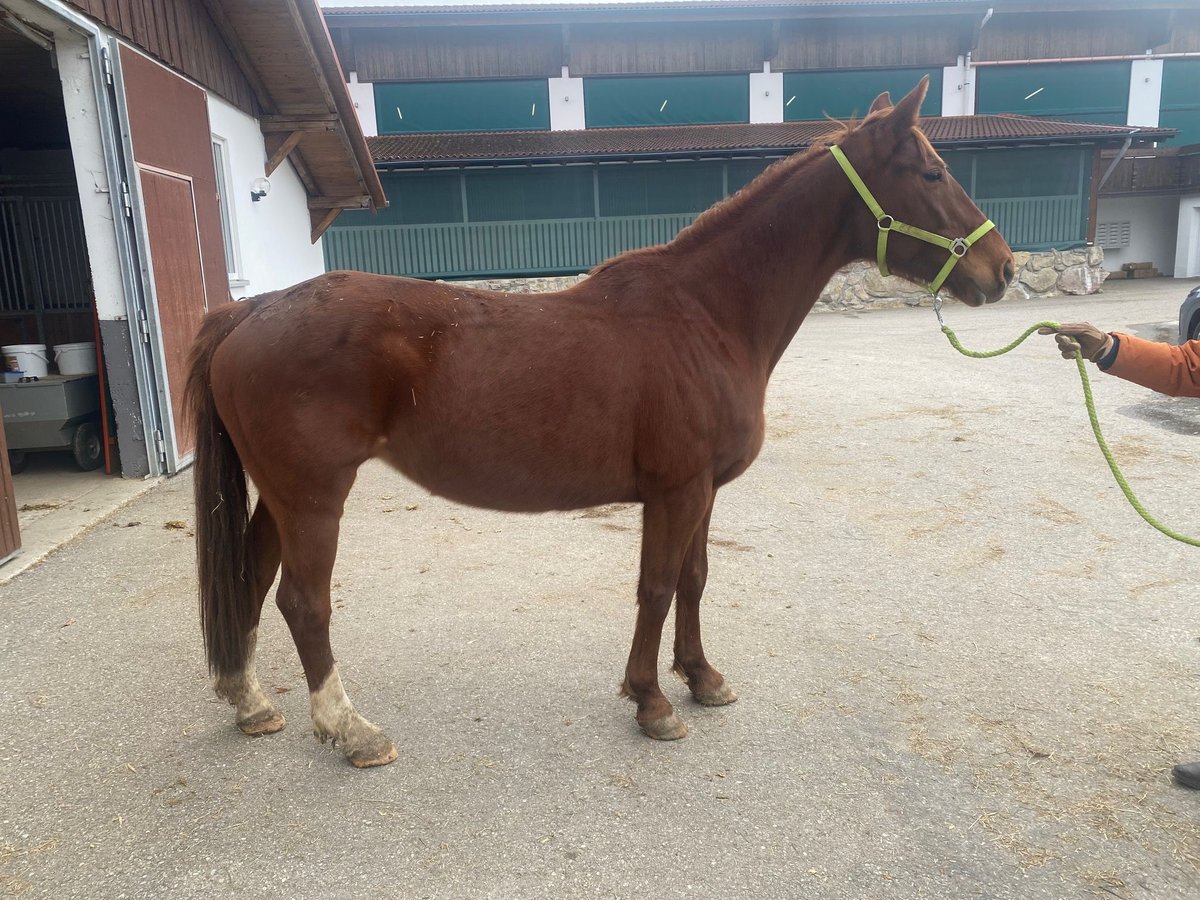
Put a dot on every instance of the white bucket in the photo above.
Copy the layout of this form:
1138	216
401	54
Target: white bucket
75	359
28	358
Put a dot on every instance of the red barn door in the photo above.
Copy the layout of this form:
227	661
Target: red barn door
166	117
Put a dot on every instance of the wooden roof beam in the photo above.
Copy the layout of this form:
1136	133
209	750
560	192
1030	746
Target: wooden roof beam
358	201
326	122
321	221
284	146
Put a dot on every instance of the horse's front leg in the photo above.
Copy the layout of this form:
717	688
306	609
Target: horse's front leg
707	685
669	521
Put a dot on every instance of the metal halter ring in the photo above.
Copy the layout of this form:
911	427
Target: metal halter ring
959	248
890	222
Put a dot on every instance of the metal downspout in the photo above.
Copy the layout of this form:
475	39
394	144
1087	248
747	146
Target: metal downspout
1116	162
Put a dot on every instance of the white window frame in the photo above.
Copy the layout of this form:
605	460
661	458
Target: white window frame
229	233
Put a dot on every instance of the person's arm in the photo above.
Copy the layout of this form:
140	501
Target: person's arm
1161	367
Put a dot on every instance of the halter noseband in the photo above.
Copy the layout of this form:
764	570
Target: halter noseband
957	246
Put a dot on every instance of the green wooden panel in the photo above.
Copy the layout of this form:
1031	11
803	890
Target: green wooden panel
407	107
1089	92
666	100
1180	106
486	249
847	93
1039	223
646	189
493	248
1048	172
417	198
1037	197
743	171
1188	123
551	192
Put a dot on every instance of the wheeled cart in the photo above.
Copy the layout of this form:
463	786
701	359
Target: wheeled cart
58	412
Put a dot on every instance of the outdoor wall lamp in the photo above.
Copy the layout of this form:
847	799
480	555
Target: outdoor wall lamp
259	188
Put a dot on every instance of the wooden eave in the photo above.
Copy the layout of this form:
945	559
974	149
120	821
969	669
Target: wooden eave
307	115
617	12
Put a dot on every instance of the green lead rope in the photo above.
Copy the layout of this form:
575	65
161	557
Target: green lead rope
1090	402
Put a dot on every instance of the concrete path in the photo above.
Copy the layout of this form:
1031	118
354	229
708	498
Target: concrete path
56	503
965	668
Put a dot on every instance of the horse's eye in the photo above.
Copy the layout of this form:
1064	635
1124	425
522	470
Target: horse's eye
934	175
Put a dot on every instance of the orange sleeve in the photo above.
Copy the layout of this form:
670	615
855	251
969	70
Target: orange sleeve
1161	367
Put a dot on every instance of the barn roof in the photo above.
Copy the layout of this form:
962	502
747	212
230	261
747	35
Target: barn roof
285	51
683	141
431	13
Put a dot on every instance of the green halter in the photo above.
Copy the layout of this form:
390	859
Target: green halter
887	224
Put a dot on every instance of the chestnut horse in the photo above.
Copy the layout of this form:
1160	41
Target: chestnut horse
644	383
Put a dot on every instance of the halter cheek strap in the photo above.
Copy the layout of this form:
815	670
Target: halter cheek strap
887	224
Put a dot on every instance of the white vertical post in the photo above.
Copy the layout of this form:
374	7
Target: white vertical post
1187	239
363	95
1145	92
958	89
566	103
766	95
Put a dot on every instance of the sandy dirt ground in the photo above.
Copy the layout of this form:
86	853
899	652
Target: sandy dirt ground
965	667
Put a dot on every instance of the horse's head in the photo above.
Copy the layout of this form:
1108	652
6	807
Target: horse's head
913	186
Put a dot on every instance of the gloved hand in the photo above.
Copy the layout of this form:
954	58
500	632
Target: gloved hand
1088	339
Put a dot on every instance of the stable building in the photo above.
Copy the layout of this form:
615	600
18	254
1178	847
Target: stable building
541	139
157	158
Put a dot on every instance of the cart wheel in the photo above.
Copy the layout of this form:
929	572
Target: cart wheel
17	460
86	445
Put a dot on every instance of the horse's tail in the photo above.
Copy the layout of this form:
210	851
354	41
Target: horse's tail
223	556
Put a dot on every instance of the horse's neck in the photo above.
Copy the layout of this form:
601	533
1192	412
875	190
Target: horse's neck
759	265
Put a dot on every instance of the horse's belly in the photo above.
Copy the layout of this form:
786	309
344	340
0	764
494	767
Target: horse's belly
513	475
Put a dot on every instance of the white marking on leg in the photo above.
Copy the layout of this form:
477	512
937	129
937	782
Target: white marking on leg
334	716
242	690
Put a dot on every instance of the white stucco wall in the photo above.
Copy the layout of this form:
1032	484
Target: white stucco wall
1187	246
766	95
272	234
566	103
1151	230
362	93
958	89
1145	92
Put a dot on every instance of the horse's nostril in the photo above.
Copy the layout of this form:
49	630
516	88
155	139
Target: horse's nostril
1009	271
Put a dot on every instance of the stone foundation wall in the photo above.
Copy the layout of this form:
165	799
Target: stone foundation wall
1047	274
860	286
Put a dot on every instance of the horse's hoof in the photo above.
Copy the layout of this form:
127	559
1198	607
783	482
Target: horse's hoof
378	751
268	721
668	728
720	696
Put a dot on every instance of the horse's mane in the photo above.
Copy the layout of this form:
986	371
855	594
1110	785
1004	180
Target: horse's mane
715	217
767	180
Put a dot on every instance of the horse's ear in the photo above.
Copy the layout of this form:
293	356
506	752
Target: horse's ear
906	113
883	101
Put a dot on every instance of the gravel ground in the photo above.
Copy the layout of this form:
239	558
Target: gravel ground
965	668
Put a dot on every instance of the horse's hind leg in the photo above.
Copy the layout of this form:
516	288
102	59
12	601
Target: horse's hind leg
669	521
256	714
309	538
707	685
